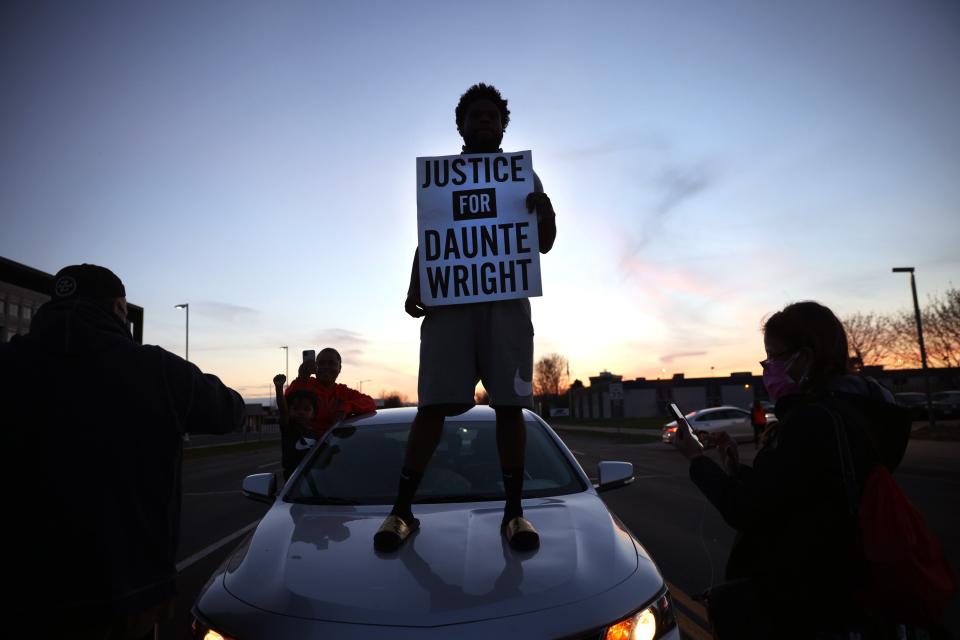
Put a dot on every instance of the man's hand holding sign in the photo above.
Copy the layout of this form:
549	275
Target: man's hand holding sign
478	241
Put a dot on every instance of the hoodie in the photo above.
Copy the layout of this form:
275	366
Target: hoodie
93	426
796	539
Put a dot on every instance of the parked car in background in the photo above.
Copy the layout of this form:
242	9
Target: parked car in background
946	404
726	419
309	569
915	402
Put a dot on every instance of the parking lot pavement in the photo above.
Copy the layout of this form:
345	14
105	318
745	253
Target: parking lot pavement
214	520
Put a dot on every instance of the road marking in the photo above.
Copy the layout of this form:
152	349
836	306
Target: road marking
212	493
577	453
691	629
695	607
203	553
270	464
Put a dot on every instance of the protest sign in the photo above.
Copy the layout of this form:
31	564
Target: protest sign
477	241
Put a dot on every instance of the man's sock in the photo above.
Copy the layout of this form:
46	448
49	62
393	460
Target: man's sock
513	487
409	481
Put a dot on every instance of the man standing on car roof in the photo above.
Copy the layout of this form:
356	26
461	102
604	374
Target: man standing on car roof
460	344
93	428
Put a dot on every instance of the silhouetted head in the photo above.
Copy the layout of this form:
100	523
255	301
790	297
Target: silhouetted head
482	117
329	363
93	283
301	405
811	339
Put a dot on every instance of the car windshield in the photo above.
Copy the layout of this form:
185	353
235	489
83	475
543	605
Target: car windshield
361	465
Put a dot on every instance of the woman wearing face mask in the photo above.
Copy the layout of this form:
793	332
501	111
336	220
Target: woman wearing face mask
795	563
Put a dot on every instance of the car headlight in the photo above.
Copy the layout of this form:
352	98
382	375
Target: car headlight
651	622
202	631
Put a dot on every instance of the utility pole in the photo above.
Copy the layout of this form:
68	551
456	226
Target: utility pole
923	350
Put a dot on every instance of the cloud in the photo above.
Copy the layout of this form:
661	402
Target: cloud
670	357
343	340
674	186
629	141
223	311
679	184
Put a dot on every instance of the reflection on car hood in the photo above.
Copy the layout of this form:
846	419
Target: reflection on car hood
318	563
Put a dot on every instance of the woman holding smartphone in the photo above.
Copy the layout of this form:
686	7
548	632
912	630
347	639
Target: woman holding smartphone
796	563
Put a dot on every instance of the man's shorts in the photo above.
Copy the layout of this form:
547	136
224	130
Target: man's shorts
488	341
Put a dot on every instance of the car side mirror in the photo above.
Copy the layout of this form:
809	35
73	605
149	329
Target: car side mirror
261	487
614	475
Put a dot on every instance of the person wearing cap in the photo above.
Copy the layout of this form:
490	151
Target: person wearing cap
93	433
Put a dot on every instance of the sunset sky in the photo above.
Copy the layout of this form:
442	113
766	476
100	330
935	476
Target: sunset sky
708	162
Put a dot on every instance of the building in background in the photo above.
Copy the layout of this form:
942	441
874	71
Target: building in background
23	289
610	396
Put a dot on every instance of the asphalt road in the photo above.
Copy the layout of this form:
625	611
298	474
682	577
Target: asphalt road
683	534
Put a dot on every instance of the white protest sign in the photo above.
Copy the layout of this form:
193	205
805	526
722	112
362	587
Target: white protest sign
477	241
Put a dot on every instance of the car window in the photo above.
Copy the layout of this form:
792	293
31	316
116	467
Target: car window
361	465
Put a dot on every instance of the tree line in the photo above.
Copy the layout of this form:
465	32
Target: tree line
891	339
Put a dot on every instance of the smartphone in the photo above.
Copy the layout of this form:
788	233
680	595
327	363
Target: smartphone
683	427
309	355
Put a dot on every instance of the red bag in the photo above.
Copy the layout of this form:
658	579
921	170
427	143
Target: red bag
909	579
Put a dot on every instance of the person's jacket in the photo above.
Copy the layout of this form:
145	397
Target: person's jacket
332	400
796	538
93	426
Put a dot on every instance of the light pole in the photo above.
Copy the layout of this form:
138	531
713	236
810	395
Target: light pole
360	384
286	350
923	350
186	306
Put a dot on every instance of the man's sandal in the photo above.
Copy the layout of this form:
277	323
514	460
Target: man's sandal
393	532
520	534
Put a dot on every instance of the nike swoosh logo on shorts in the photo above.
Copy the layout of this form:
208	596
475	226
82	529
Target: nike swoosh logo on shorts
521	387
305	444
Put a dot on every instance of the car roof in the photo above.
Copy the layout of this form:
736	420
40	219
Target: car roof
721	408
479	413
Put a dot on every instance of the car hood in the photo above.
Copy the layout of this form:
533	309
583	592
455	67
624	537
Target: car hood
318	563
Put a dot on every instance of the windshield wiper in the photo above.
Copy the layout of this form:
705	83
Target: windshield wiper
319	499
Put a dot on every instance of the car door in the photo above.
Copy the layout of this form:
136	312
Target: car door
707	421
738	425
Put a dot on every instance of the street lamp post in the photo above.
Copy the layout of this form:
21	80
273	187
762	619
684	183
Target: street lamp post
360	384
186	306
923	350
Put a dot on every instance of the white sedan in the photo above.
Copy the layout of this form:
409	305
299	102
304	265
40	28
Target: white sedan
732	420
309	569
